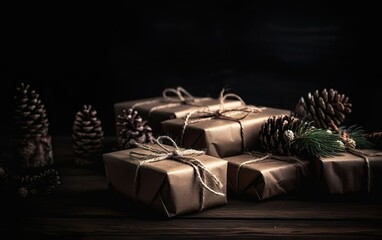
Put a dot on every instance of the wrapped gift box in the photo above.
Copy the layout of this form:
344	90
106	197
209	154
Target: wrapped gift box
169	186
348	173
221	137
156	110
266	178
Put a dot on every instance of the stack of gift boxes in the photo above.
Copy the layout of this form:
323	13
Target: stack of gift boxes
209	147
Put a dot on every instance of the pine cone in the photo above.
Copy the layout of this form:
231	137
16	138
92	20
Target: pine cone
33	144
277	133
30	114
42	183
327	109
133	128
87	136
48	181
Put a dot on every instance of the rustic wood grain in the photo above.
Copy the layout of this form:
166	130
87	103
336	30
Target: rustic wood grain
193	228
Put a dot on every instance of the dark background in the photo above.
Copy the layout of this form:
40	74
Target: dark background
270	54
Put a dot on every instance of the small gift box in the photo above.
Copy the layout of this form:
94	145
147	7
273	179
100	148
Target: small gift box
352	173
166	178
174	103
267	176
222	135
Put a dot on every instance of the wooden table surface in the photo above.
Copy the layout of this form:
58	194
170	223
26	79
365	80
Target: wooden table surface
83	208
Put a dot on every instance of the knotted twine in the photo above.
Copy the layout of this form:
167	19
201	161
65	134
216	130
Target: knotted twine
186	156
259	157
172	97
231	114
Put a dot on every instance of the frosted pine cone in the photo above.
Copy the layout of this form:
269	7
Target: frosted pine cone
87	136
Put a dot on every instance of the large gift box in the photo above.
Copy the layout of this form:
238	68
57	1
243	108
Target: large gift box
178	105
350	173
167	181
221	136
266	177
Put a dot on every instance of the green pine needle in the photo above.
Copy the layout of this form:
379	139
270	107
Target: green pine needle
357	133
315	142
320	143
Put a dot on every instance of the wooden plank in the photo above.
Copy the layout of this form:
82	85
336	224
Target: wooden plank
99	203
193	228
82	190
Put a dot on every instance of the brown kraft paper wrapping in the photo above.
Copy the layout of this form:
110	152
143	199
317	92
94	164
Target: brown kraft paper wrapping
169	110
348	173
168	186
264	179
221	137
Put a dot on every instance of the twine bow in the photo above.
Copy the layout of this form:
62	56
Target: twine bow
186	156
259	157
231	114
178	94
172	97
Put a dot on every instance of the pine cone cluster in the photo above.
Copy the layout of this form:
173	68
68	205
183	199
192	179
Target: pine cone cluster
28	184
43	183
277	133
87	136
326	108
33	144
30	114
133	128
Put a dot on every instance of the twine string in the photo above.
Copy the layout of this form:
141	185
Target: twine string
365	156
177	94
300	166
172	97
231	114
350	146
186	156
